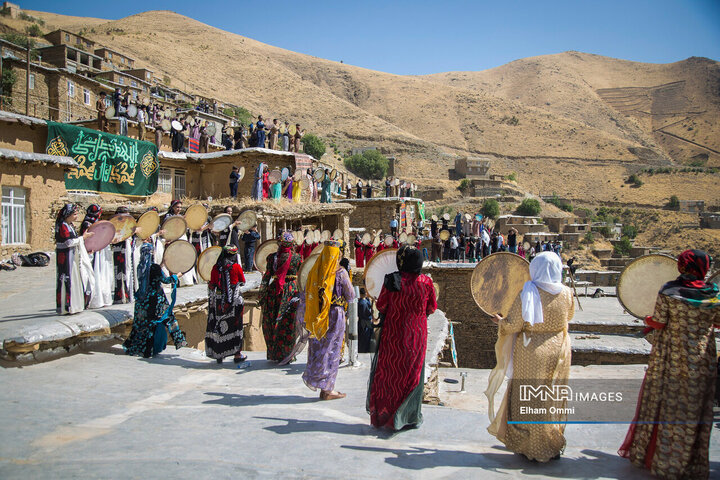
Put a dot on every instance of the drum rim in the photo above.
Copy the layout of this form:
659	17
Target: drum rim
150	214
170	245
369	263
102	222
194	207
199	257
259	249
472	276
180	218
619	281
300	270
127	215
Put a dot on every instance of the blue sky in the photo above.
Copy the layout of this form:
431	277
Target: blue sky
419	37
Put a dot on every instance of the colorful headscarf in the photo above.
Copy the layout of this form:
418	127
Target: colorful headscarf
92	213
408	260
319	290
281	263
690	286
67	210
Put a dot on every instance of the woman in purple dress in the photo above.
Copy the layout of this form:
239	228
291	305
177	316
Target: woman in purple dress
327	295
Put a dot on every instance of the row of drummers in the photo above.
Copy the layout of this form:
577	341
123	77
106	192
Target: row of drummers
369	244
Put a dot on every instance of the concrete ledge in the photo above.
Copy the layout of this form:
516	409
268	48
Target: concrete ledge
55	335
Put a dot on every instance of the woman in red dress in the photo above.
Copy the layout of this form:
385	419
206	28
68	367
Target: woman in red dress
397	377
224	333
359	253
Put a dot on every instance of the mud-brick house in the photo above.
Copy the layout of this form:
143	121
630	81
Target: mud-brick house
376	213
202	175
30	182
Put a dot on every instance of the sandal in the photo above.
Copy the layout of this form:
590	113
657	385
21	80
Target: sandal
240	359
331	395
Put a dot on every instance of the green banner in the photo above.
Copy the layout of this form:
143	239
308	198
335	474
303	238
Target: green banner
106	163
421	210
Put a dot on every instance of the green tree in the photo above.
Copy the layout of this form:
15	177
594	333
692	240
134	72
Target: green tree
371	164
529	206
674	202
241	114
33	30
490	208
512	177
623	247
630	231
464	185
312	145
6	84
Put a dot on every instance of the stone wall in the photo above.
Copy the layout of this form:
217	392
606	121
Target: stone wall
475	334
25	138
43	184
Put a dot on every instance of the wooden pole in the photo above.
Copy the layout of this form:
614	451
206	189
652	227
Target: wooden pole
27	80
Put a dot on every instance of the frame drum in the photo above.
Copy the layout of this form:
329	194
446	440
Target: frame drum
132	111
175	227
196	216
221	222
165	125
411	239
317	236
103	233
177	125
403	237
265	249
526	246
275	176
309	238
325	235
379	265
304	270
246	220
388	240
366	238
445	235
124	227
179	256
211	129
640	282
284	174
109	112
376	241
147	224
446	216
434	218
319	175
338	234
333	175
497	280
206	261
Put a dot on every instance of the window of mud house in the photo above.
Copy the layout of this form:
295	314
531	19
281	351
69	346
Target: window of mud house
179	183
31	83
86	96
71	89
165	180
14	230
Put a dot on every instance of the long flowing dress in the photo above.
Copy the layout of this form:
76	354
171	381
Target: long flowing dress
670	435
276	191
224	332
544	360
324	354
397	376
278	309
73	270
296	191
153	316
359	254
101	291
123	271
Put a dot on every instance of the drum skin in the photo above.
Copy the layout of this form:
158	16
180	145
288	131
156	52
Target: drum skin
379	265
640	282
221	222
147	224
497	280
263	251
196	217
124	227
179	256
305	270
175	227
103	234
206	261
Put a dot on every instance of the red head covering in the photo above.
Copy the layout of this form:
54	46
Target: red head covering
693	265
282	259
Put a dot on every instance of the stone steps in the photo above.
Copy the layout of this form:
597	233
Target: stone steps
608	349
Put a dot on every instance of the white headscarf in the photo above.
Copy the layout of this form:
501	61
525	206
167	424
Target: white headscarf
545	273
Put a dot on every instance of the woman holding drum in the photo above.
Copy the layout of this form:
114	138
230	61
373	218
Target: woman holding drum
224	332
73	265
670	433
102	288
277	290
534	347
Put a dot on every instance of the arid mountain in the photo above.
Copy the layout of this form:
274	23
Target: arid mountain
564	122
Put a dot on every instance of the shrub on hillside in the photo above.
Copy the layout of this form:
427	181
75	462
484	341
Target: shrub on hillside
512	177
371	164
623	247
490	208
630	231
674	202
312	145
634	180
464	185
33	30
529	207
